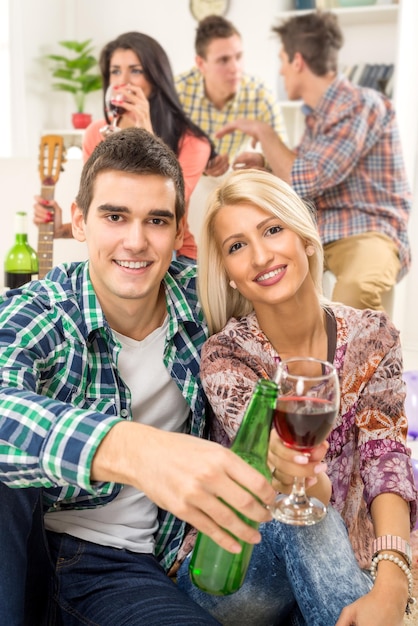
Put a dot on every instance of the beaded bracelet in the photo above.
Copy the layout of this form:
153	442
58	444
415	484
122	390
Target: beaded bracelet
406	570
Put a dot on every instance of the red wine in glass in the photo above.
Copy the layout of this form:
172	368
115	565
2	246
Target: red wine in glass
115	108
113	103
303	422
307	405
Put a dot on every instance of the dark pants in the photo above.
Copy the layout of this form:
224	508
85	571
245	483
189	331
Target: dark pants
25	573
92	585
101	585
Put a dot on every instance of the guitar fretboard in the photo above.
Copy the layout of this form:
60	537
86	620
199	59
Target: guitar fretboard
46	237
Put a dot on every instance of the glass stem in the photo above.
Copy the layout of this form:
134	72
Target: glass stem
298	494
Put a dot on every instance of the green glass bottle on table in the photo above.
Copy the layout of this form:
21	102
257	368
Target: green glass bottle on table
212	568
21	262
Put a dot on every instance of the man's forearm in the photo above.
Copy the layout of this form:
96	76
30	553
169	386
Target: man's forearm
279	157
190	477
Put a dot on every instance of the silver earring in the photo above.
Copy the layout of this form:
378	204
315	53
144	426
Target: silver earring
232	284
310	250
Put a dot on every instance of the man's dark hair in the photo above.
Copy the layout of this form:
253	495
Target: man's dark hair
316	36
210	28
134	151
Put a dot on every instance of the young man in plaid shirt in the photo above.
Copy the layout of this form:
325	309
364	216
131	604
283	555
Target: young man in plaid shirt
100	388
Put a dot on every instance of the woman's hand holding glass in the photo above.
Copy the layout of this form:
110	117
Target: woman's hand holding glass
307	405
137	107
127	106
286	463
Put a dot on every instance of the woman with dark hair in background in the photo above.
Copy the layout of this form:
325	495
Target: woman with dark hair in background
141	70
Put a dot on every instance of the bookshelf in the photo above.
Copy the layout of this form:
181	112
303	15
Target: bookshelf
370	36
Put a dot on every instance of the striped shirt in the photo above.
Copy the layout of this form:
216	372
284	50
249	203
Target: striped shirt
61	392
349	163
252	101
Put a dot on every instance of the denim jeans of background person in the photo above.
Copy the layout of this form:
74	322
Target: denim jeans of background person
101	406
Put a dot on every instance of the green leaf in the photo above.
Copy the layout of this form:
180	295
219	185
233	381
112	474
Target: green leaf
77	69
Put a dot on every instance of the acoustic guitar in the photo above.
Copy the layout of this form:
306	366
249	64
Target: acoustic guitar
51	158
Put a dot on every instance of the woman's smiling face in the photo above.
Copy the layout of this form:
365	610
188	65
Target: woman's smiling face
266	260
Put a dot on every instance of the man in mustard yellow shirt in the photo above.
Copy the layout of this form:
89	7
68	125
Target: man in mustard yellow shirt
217	91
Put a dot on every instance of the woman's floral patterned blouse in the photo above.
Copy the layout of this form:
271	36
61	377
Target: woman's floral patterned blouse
367	454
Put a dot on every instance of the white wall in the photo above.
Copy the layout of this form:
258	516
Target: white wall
406	102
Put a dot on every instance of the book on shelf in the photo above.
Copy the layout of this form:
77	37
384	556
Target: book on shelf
363	80
378	79
346	70
389	80
353	70
377	76
357	73
372	76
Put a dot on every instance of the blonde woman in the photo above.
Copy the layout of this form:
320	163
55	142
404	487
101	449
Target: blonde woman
260	270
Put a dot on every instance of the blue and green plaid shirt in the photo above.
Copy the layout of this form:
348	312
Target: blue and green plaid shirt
61	392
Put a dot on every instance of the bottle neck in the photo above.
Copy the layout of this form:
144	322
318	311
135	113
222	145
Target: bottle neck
21	238
21	229
254	432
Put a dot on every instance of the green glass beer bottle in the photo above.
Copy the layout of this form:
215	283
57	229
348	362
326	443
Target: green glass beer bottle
212	568
21	262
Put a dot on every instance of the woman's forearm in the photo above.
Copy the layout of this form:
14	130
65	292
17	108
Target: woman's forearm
390	515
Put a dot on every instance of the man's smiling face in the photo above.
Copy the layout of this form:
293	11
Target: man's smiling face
131	233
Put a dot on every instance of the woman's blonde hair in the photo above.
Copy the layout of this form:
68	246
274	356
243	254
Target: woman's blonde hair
268	192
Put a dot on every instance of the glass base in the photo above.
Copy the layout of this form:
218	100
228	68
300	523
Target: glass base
297	511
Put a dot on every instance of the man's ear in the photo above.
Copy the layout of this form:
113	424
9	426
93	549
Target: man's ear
178	242
200	61
77	221
298	61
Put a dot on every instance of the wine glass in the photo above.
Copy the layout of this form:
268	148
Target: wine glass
307	405
113	104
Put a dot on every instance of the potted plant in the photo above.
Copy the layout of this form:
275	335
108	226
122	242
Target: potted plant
76	76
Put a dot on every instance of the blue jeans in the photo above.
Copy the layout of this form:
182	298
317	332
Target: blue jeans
297	576
24	563
99	585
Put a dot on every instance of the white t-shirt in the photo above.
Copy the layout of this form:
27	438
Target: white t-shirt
130	520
